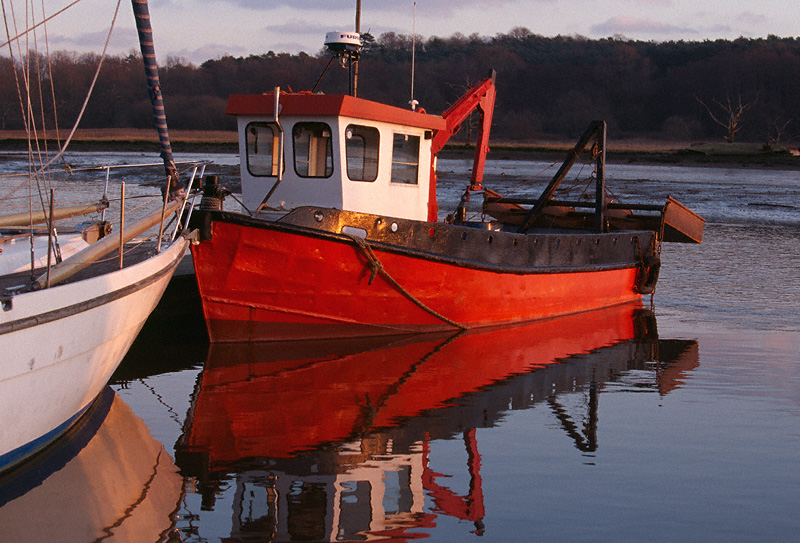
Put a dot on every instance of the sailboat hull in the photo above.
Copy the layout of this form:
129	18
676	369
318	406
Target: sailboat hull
61	345
275	280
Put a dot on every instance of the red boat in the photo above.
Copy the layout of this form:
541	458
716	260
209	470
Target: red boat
342	235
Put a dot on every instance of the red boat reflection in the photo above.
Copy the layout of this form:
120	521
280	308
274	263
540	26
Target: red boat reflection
321	436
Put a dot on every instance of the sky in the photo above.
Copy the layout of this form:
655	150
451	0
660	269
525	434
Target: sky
197	30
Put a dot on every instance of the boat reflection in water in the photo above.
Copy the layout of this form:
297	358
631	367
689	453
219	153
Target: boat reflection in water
106	479
331	440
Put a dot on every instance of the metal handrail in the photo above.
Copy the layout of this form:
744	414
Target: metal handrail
151	164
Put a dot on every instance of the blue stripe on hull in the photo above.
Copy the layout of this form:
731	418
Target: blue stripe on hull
20	454
34	470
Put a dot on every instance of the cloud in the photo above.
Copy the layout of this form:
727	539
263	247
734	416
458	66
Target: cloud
745	23
638	27
208	51
750	18
717	30
295	47
429	6
121	39
299	26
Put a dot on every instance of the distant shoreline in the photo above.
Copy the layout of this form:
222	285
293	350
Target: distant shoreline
740	155
744	155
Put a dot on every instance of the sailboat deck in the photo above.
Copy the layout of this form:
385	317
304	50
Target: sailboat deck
134	253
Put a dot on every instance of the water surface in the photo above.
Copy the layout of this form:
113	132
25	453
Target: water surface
671	421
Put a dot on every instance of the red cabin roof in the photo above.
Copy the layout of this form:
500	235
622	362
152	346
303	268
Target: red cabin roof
318	105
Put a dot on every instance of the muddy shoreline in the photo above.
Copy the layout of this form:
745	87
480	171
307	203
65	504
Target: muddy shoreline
683	156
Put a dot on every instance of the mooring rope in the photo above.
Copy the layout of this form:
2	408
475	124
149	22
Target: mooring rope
376	267
369	412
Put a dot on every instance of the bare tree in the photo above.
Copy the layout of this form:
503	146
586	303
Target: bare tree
779	130
731	115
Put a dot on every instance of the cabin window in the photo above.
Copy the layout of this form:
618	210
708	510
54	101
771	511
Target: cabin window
361	148
405	159
263	149
313	149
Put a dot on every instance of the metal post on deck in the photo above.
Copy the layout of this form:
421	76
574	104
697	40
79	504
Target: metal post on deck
161	224
50	237
191	206
105	193
600	184
121	223
279	173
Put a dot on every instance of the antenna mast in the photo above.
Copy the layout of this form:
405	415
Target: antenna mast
413	57
355	64
346	47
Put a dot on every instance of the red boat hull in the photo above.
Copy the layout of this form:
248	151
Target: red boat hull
268	282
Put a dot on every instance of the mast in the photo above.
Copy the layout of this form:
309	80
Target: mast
355	63
142	15
413	102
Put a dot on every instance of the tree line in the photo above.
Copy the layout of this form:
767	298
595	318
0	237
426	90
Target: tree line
547	87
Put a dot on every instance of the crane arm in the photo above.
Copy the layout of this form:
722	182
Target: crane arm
481	97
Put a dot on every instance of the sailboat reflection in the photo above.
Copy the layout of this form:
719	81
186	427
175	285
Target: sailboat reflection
331	440
107	479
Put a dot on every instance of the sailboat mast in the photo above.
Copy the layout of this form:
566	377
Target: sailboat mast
142	15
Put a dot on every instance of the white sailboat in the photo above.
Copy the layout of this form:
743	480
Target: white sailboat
65	325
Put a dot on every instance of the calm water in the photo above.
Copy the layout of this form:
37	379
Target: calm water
676	422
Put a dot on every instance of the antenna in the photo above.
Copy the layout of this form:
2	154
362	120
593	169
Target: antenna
413	102
344	46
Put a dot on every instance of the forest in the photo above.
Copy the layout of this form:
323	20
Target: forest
547	87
